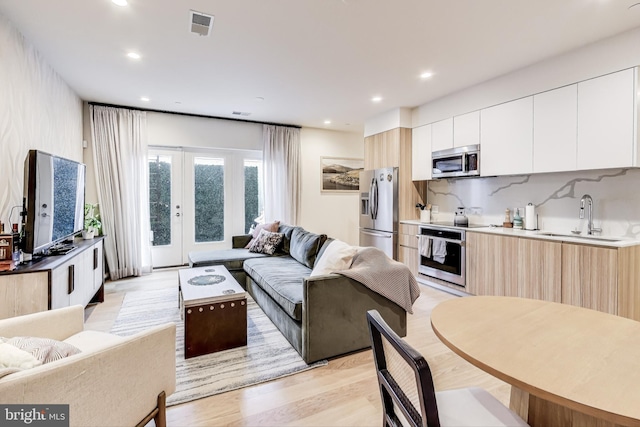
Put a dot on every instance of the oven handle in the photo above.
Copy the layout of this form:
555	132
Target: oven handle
458	242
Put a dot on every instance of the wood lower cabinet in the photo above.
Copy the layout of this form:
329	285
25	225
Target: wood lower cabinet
55	282
408	246
600	278
539	269
491	264
590	277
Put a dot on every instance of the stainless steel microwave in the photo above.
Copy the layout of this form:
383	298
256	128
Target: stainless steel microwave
456	162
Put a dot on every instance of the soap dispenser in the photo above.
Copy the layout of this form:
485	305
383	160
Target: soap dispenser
517	220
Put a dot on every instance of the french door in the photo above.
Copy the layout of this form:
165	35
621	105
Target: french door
196	200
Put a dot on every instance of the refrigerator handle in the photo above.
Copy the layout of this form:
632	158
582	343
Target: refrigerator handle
376	205
371	199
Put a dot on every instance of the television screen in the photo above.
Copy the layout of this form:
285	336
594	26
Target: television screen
54	192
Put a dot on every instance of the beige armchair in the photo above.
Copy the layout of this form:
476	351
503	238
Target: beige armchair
114	381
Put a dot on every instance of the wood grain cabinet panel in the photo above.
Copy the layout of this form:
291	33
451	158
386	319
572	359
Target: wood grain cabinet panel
491	264
590	277
408	246
539	269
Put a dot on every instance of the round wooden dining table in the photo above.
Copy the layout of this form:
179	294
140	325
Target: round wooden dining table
568	366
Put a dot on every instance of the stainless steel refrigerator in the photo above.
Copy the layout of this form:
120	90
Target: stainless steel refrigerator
379	210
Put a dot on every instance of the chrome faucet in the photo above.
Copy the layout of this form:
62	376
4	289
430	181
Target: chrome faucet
589	201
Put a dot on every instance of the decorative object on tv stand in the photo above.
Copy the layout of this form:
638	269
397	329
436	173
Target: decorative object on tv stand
92	223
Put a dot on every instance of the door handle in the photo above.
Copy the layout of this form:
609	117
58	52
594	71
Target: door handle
177	213
385	236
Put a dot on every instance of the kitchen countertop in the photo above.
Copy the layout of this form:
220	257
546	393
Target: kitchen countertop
620	242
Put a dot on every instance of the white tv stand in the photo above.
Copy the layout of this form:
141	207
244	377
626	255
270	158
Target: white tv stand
55	281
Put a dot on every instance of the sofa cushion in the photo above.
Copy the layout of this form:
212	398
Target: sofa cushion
266	242
305	246
287	230
89	341
281	278
337	256
232	259
270	226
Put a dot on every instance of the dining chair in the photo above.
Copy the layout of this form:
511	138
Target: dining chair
408	394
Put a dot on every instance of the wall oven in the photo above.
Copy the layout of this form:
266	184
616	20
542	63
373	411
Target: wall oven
442	254
456	162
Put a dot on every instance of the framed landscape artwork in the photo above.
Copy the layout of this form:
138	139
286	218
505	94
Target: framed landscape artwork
340	174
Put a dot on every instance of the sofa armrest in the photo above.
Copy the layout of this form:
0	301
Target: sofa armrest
334	318
57	324
240	241
114	386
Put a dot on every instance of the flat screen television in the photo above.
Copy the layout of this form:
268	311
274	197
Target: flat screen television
54	198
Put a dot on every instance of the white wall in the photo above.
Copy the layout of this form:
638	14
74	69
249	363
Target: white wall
396	118
38	110
335	214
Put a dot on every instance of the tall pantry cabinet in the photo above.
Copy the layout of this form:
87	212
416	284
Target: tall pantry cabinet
393	148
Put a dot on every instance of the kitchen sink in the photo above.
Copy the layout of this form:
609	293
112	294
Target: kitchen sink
577	236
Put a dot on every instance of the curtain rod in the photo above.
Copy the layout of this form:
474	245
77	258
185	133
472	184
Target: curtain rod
102	104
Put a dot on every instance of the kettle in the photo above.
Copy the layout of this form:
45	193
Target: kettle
460	218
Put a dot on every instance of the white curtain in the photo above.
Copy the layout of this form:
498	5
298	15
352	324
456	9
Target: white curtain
282	182
120	159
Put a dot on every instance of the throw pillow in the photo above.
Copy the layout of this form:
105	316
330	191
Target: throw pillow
44	349
337	256
271	226
266	242
305	246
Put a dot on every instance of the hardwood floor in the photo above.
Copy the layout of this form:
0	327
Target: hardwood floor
343	393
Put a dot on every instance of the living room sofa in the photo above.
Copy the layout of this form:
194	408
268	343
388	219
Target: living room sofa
322	316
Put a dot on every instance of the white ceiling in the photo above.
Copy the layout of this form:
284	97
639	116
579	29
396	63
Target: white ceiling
311	60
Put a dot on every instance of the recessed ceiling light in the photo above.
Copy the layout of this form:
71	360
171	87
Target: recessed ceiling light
327	122
119	2
376	99
133	55
144	98
259	98
426	75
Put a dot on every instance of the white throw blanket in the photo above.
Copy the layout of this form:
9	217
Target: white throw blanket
389	278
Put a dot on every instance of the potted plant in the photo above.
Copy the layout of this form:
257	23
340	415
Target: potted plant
92	224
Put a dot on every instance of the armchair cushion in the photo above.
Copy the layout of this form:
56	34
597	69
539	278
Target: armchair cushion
43	349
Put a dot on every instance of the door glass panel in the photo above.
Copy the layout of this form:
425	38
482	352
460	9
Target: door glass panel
253	202
209	199
160	199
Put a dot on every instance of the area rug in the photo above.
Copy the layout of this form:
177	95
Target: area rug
267	356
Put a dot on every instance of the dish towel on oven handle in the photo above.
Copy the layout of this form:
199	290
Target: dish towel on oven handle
439	250
424	246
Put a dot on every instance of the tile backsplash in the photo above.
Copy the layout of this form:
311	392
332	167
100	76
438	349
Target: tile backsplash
556	196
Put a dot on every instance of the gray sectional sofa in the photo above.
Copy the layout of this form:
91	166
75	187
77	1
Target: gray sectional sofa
322	316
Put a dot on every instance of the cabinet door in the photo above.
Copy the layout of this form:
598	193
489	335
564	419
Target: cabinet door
491	264
506	137
539	269
555	118
466	129
98	268
61	285
590	277
606	121
421	153
442	135
409	257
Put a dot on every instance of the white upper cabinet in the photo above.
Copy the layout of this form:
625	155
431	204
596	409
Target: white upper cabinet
555	119
506	138
606	112
421	153
442	135
466	129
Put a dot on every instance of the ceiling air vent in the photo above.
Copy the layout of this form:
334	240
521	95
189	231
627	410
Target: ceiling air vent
241	113
200	23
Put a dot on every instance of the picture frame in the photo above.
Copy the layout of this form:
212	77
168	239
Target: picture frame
340	174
